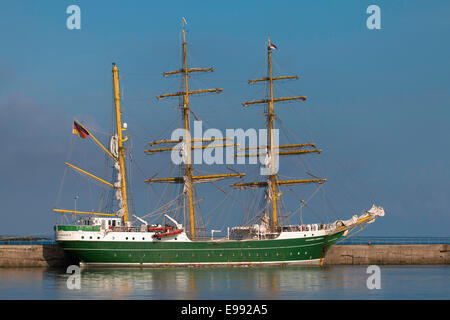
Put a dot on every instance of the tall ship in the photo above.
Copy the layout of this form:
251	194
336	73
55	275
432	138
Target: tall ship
119	238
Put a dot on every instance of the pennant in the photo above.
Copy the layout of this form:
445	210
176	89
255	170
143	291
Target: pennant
79	130
272	46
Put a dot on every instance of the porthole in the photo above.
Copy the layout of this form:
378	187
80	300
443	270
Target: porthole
90	237
98	238
143	238
126	238
82	237
298	253
133	238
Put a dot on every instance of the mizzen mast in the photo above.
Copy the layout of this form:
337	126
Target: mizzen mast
272	183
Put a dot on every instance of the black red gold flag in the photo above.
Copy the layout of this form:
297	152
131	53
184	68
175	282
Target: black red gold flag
79	130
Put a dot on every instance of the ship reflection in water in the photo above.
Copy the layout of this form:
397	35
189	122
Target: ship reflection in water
271	283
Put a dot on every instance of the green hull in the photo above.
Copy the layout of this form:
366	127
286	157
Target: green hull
159	253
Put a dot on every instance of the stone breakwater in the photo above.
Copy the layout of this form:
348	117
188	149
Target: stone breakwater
50	255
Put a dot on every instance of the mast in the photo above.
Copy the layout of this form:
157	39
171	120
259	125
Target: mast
186	111
188	179
270	116
272	183
123	184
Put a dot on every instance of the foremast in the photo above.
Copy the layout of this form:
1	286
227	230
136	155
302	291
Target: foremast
116	152
272	182
189	178
121	152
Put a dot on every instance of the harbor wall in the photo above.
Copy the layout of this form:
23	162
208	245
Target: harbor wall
420	254
50	255
47	255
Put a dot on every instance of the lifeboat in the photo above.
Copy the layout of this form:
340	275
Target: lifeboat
167	234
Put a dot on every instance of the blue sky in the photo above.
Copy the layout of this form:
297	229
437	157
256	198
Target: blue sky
378	100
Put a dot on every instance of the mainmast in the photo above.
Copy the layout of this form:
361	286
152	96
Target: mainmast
123	185
188	179
272	183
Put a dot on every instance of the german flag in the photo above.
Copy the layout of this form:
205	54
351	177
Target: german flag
79	130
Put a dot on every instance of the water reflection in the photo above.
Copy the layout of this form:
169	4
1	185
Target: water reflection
336	282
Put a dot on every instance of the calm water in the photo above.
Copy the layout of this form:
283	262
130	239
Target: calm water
334	282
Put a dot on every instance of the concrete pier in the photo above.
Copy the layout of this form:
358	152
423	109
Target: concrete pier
431	254
49	255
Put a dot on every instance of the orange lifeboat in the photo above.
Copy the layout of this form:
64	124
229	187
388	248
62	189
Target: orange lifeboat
167	234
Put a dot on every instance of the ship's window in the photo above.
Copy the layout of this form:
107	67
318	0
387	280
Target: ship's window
109	222
143	238
220	254
98	238
277	254
133	238
298	253
82	237
114	223
126	238
290	253
90	237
